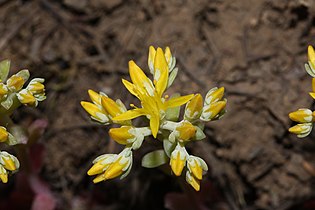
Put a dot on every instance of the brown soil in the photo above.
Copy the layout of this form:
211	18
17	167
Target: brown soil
256	49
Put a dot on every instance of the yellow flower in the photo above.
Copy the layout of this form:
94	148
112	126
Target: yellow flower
95	109
15	83
196	166
301	130
8	161
150	93
112	166
3	134
36	86
101	163
122	135
186	131
171	61
193	108
26	97
178	159
302	116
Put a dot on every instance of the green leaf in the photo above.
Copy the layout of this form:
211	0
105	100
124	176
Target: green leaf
172	77
4	70
154	159
199	134
25	74
168	147
172	114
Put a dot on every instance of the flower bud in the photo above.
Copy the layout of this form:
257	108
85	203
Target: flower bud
196	166
3	134
178	159
15	83
194	108
26	97
186	131
122	135
214	95
301	130
8	161
96	112
302	116
213	111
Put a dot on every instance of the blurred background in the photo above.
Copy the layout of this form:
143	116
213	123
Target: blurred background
256	49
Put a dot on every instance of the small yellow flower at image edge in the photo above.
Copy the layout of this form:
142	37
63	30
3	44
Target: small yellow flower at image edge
161	113
303	116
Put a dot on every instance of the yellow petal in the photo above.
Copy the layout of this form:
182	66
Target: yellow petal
160	72
154	125
177	164
139	79
130	87
3	89
297	129
110	106
115	169
311	54
15	82
214	109
194	107
97	168
195	183
90	108
151	57
99	178
130	114
4	178
121	135
196	170
178	101
168	54
9	164
313	84
186	131
215	95
312	94
3	134
26	97
94	96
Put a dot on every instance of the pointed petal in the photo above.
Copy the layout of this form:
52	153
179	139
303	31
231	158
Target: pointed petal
130	114
151	57
139	79
154	125
130	87
178	101
95	97
160	72
168	54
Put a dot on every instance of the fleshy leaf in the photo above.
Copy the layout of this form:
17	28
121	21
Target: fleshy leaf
4	70
172	114
154	159
168	147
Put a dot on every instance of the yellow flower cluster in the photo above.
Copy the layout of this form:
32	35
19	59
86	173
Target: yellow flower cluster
12	95
162	114
305	117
